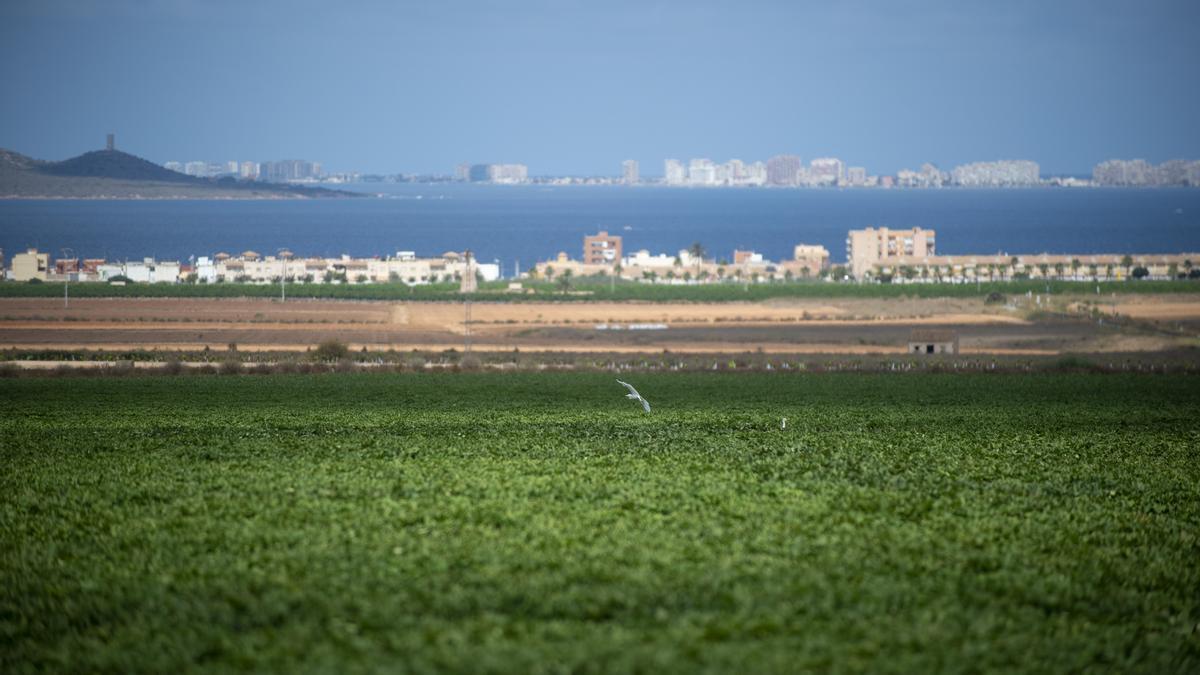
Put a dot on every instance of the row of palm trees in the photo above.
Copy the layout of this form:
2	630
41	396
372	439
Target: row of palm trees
1008	272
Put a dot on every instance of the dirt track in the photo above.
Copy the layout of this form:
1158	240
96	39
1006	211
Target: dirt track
848	326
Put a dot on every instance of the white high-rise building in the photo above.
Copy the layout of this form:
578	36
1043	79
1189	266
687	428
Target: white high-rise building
702	172
249	170
736	171
673	173
629	172
756	174
508	173
826	171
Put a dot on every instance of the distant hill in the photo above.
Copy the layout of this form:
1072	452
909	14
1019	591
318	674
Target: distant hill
115	164
112	174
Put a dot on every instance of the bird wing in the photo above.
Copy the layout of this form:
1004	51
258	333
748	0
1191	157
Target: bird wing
645	405
630	388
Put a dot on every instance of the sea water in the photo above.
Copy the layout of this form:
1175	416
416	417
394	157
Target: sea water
524	224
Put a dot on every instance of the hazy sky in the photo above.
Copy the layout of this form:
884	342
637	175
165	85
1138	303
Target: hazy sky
577	86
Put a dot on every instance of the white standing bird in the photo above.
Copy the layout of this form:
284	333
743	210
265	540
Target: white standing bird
783	424
633	394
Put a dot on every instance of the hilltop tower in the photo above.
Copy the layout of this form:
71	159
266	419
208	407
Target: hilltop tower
111	142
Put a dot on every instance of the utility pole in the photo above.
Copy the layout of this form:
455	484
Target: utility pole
283	254
67	254
466	288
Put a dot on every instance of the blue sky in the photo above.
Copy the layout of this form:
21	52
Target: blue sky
575	87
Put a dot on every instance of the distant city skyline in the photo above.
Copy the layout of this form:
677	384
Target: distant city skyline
574	88
778	171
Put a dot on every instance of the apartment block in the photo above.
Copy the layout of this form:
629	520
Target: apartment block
867	248
601	248
30	265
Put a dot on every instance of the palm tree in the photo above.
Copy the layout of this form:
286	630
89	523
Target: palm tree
1045	269
564	283
1012	263
1095	272
1126	262
1058	269
1075	267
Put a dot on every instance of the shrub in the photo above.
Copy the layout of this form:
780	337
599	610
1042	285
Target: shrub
995	298
331	350
231	367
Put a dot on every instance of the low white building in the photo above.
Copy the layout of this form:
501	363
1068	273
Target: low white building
147	271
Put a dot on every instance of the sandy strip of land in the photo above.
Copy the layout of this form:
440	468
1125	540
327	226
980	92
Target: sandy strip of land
793	326
480	326
1187	310
679	348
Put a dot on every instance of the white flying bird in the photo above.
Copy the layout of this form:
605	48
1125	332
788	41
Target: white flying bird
633	394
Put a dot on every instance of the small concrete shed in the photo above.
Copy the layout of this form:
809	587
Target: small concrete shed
930	341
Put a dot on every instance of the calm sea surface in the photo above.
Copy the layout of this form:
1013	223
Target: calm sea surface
530	223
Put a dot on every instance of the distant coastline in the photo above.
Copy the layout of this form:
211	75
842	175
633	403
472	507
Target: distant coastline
114	175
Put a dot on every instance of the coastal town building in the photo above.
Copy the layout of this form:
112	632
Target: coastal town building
629	172
814	258
673	172
826	171
602	248
1005	173
865	249
32	264
1140	173
782	170
146	271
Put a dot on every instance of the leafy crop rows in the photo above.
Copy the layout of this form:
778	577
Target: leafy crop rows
542	523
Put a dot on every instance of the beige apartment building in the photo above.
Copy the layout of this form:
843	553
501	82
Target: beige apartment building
30	265
869	248
814	258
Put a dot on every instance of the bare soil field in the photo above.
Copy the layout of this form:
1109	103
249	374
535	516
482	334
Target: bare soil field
849	326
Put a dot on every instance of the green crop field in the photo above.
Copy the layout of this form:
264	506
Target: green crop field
542	523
